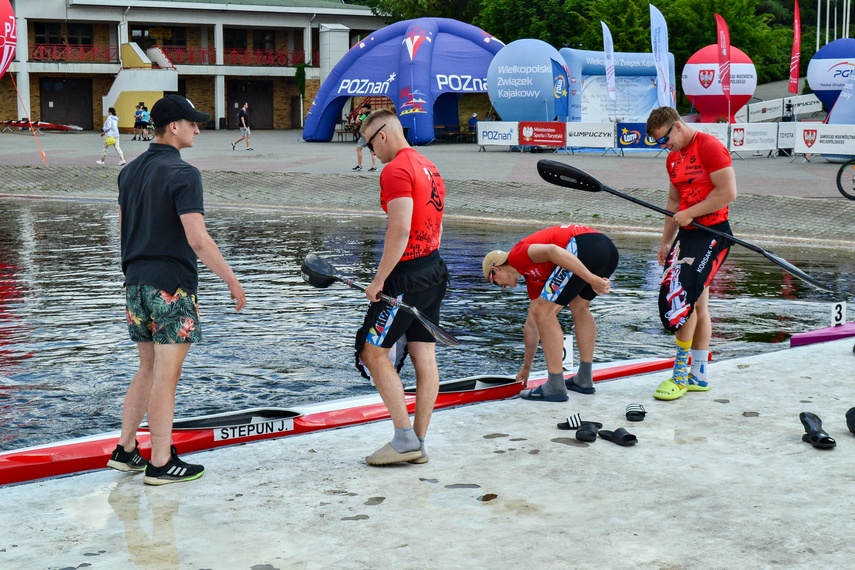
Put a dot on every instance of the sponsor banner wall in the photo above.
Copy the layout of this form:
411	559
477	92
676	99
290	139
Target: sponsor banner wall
718	130
633	135
805	104
817	138
786	135
635	98
774	109
766	111
748	136
502	133
542	133
591	135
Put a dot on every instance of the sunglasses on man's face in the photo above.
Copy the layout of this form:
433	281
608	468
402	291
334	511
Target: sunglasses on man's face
370	147
664	139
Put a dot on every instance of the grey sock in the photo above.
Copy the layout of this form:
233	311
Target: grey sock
405	440
584	378
554	385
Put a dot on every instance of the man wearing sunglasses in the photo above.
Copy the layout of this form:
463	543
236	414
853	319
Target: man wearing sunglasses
412	193
702	186
563	266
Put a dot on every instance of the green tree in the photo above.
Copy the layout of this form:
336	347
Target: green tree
396	10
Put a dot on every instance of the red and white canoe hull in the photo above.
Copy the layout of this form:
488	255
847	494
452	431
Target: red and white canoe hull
217	430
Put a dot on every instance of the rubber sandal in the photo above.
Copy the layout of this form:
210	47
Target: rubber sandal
620	436
668	391
588	431
635	412
537	395
424	458
850	420
696	385
576	388
387	455
815	435
573	422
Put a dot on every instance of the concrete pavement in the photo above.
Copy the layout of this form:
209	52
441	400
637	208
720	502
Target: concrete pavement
717	480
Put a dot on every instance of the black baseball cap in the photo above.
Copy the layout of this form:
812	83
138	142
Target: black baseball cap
174	108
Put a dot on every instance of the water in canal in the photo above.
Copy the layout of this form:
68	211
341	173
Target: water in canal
66	360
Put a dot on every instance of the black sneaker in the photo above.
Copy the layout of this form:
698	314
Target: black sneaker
356	168
122	460
173	472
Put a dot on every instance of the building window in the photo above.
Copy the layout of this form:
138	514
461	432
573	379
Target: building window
80	34
263	39
47	33
234	38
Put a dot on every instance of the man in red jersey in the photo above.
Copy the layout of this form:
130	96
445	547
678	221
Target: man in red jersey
563	266
702	187
412	193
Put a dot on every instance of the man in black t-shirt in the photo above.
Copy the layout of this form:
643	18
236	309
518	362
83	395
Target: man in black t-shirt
243	124
163	233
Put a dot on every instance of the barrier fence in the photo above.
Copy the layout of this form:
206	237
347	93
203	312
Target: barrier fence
800	138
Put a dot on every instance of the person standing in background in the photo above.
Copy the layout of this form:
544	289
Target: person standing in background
243	124
110	132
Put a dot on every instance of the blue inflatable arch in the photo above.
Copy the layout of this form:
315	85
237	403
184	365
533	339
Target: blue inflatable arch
422	65
635	76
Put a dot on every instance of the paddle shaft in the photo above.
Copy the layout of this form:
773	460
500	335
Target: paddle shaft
566	175
789	267
437	331
319	272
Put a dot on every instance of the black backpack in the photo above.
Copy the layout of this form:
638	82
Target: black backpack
237	119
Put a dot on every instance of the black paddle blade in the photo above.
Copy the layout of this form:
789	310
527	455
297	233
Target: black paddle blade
318	272
562	174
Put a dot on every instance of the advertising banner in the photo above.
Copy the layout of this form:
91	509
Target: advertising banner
542	133
795	57
632	135
786	135
723	34
665	89
609	54
753	136
591	135
766	111
718	130
502	133
636	97
817	138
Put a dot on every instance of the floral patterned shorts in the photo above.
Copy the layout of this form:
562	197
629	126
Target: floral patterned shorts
161	317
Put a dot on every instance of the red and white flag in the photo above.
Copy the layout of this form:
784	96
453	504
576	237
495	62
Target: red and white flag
797	50
723	35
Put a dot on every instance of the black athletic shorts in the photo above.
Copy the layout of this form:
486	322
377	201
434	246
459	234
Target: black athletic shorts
694	259
596	252
419	283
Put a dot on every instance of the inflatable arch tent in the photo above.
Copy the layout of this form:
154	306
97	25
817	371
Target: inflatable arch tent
635	78
421	65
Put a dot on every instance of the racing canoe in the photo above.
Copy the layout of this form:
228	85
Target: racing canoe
216	430
826	334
